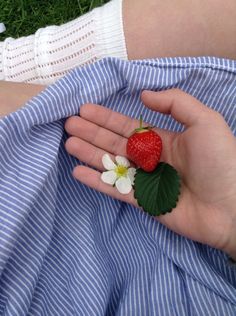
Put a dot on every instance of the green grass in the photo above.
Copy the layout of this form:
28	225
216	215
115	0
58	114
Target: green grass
24	17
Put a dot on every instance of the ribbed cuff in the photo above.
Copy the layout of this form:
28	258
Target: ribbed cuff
18	59
109	32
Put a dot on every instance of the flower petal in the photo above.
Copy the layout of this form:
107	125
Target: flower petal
122	161
130	174
107	162
123	185
109	177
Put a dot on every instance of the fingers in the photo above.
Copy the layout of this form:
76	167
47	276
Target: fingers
105	128
92	178
94	134
85	152
101	130
108	119
182	106
114	121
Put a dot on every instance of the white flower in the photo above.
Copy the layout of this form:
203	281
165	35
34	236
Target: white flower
119	173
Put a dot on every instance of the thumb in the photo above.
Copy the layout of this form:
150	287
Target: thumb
182	106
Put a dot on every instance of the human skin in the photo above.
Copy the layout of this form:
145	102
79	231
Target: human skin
13	95
204	155
211	222
157	28
169	28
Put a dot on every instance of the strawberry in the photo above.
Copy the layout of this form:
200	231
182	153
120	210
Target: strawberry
144	147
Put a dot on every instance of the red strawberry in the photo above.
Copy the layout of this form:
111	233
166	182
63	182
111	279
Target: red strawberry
144	148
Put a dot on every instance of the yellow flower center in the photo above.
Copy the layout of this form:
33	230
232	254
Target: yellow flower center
121	171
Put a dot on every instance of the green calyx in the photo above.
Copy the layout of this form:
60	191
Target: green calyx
142	129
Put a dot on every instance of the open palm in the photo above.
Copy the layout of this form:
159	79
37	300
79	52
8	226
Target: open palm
204	155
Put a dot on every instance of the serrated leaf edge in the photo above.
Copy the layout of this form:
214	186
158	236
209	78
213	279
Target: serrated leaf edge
175	203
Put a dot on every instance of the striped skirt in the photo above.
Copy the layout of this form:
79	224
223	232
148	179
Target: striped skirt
66	249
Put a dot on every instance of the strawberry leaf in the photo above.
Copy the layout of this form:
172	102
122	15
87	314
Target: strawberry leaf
157	192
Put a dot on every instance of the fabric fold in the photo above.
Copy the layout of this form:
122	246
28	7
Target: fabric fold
66	249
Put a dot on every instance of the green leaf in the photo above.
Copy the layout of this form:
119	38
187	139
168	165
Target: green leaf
157	192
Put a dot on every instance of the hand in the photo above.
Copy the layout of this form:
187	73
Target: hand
204	155
13	95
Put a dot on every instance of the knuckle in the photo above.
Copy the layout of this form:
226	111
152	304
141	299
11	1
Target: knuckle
115	144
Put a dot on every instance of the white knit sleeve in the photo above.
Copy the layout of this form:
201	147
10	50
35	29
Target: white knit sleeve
52	51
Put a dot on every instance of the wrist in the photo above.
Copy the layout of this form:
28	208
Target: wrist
227	237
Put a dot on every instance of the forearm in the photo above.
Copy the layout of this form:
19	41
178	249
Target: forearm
180	28
14	95
147	29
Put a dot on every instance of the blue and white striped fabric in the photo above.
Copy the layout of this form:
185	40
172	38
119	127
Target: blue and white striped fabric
68	250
